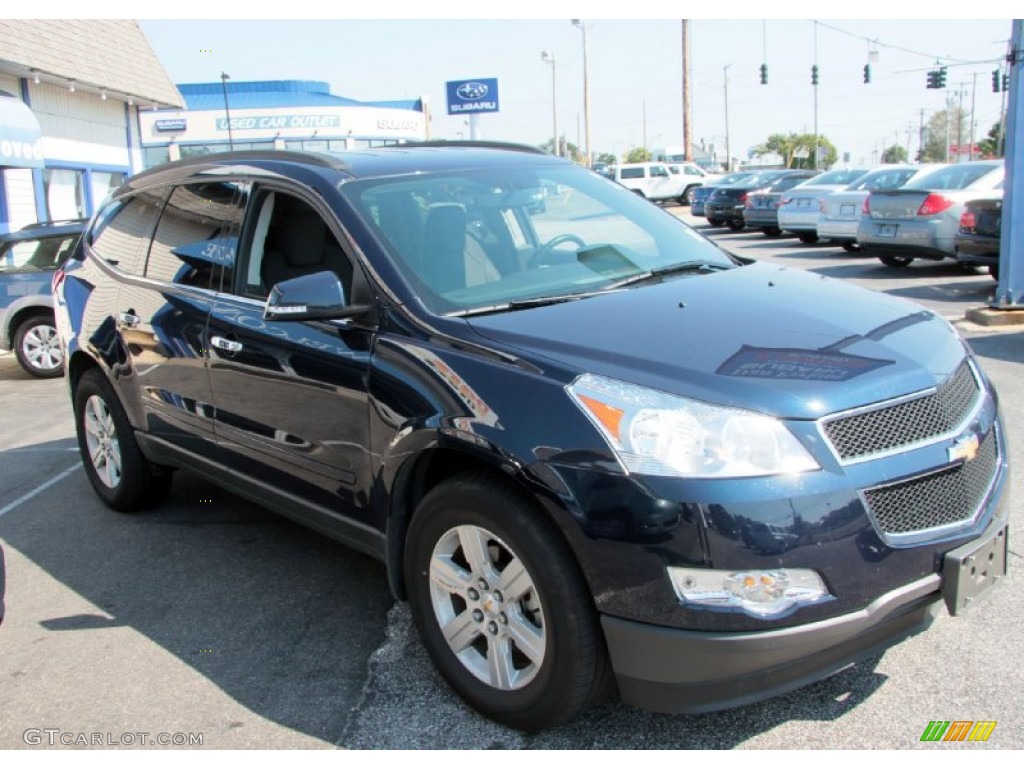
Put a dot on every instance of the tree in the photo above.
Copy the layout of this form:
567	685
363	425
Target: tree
797	150
935	135
895	154
569	149
638	155
607	158
988	146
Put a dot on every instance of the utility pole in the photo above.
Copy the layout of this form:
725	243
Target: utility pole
960	122
974	88
728	150
920	139
687	115
582	24
947	126
645	125
815	86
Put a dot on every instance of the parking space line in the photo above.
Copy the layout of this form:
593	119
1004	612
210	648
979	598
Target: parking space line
39	489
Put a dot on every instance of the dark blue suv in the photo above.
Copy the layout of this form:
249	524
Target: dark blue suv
590	447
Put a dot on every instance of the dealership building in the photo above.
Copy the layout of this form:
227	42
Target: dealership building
275	114
70	95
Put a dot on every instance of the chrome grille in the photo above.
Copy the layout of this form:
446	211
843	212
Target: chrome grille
912	421
942	498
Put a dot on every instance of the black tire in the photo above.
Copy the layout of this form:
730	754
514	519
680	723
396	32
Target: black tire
715	222
993	270
896	262
37	347
807	237
736	224
852	247
120	474
771	231
559	668
969	268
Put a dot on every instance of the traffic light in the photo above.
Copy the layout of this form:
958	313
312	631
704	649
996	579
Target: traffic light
764	74
941	78
995	81
867	73
814	75
1006	82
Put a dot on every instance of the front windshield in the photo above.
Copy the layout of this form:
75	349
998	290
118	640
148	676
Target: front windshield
479	238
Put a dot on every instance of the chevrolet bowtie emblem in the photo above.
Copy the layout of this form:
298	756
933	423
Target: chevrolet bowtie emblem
964	448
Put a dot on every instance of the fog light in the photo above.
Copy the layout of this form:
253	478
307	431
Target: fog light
772	594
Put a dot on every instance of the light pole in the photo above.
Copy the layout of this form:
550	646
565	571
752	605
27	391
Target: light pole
224	77
550	59
586	88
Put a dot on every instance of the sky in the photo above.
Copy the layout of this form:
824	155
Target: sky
635	71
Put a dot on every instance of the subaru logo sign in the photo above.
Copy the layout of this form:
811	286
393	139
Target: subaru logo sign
471	91
468	96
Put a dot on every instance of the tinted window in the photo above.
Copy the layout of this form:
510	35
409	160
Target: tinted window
844	176
192	240
121	232
42	254
786	182
887	178
632	173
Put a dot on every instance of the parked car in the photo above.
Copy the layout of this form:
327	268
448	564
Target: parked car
977	239
799	210
761	208
698	195
28	258
694	177
586	443
920	220
652	180
840	211
727	204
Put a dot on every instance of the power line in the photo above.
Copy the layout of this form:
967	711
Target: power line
887	45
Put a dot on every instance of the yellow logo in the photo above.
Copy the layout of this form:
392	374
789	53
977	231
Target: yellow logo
964	448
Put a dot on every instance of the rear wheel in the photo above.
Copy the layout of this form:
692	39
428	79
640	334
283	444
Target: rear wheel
896	261
852	247
808	237
969	268
994	271
120	474
37	347
771	231
736	224
501	606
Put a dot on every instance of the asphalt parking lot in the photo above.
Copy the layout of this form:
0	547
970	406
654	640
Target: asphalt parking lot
210	616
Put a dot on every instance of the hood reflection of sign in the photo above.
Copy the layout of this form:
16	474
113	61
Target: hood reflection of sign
798	364
471	91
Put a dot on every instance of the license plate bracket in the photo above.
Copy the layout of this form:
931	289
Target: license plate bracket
887	230
847	209
970	571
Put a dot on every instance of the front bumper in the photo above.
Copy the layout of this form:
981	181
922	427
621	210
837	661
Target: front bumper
667	669
682	671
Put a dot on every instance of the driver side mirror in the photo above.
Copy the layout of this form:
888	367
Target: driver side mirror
319	296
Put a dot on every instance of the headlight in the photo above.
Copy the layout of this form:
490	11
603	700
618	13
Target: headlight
770	594
654	433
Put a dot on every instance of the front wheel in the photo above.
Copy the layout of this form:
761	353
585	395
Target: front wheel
501	606
852	247
895	261
771	231
119	472
715	222
808	237
736	224
37	347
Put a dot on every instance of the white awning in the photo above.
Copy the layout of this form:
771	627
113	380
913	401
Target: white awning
21	139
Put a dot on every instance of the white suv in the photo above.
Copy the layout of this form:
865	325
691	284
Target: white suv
661	181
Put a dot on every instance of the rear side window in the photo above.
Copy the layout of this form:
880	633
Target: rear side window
786	182
631	173
121	233
192	243
45	253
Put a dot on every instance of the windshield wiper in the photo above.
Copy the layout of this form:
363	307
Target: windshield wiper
671	269
536	301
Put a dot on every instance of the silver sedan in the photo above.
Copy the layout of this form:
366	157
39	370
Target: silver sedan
920	220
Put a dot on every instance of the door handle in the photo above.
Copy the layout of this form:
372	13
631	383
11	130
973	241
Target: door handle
226	344
128	319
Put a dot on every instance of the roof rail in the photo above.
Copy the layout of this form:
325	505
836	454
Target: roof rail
511	146
320	159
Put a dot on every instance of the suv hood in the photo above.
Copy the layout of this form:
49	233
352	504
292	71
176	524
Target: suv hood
767	338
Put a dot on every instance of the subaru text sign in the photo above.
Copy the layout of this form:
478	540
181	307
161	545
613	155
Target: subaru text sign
468	96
